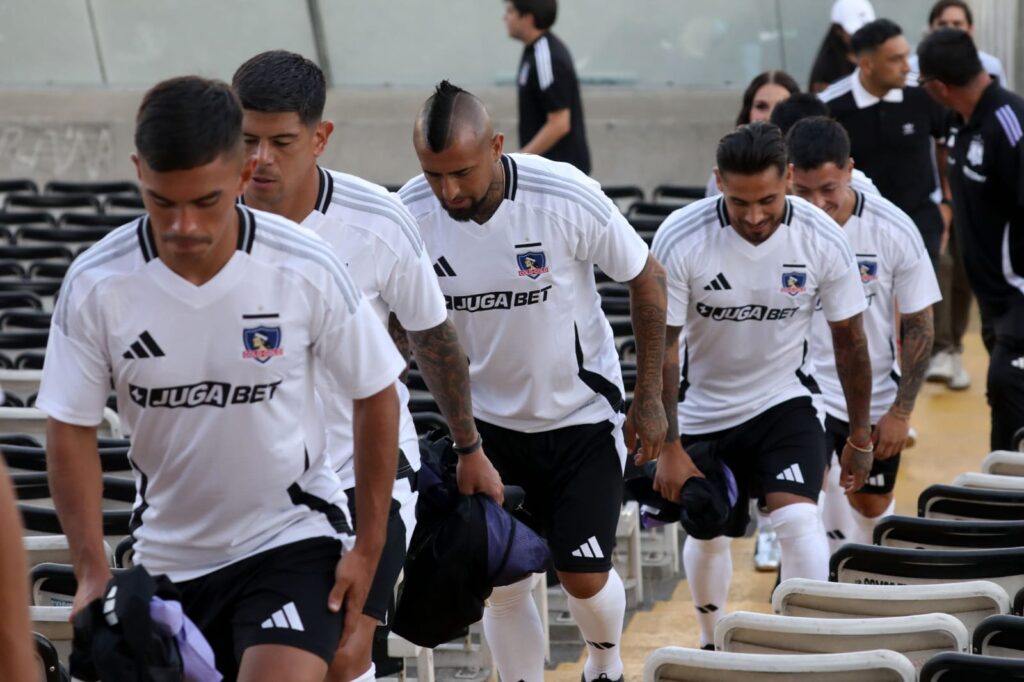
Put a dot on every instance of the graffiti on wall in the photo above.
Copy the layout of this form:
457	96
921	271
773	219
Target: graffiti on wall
80	151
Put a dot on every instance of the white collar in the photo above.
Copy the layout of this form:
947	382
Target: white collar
865	99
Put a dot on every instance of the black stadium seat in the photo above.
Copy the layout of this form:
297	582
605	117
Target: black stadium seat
24	219
123	205
18	185
93	220
13	320
10	300
615	192
678	193
646	209
949	667
999	635
33	458
100	189
35	252
53	671
47	270
60	235
51	202
911	531
43	519
955	502
873	565
12	270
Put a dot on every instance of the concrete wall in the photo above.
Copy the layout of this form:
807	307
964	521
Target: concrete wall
644	137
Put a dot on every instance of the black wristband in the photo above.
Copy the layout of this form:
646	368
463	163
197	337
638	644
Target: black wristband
468	449
946	202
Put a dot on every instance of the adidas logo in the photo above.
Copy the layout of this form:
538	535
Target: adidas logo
1018	363
719	283
836	534
707	608
286	617
603	646
143	347
589	549
877	481
791	473
442	268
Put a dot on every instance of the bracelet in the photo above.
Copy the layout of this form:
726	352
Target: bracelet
868	450
468	449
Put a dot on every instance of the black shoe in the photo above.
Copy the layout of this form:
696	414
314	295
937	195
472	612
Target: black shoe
602	676
708	647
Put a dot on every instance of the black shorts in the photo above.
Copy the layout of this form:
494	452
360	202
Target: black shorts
780	450
572	478
379	601
274	597
882	478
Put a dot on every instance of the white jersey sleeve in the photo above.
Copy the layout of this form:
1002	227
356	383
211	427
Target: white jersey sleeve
668	251
615	246
842	295
411	291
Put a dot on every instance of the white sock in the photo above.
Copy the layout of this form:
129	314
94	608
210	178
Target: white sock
803	543
708	565
864	526
369	676
835	511
600	620
764	522
514	632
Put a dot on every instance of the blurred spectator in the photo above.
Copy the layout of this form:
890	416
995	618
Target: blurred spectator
550	107
759	100
835	56
957	14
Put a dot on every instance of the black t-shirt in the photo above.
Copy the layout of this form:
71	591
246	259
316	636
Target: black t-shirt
832	62
891	140
986	175
547	83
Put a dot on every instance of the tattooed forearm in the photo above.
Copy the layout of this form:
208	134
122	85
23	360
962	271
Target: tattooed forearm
670	379
854	369
648	300
401	340
446	372
917	338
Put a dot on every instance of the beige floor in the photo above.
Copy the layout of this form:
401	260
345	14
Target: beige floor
952	437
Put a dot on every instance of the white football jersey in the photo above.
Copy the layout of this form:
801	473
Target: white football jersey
894	269
746	310
373	234
520	289
216	385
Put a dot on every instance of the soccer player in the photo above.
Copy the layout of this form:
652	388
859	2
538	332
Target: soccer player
550	107
987	179
213	321
17	661
896	274
744	273
283	97
517	238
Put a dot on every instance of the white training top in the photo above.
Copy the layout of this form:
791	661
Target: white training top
373	234
746	310
520	289
859	181
895	270
215	384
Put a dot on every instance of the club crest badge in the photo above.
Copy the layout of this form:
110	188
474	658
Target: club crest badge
261	343
532	264
794	283
868	270
976	151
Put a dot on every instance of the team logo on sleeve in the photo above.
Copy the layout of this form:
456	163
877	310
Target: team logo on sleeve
532	264
794	283
261	343
868	270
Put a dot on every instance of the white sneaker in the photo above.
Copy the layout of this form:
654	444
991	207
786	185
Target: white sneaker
767	551
959	380
940	368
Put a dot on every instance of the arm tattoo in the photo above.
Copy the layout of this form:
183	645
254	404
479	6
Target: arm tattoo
918	333
401	340
648	301
446	372
854	368
670	379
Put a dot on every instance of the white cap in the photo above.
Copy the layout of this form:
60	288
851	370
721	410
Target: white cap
852	14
